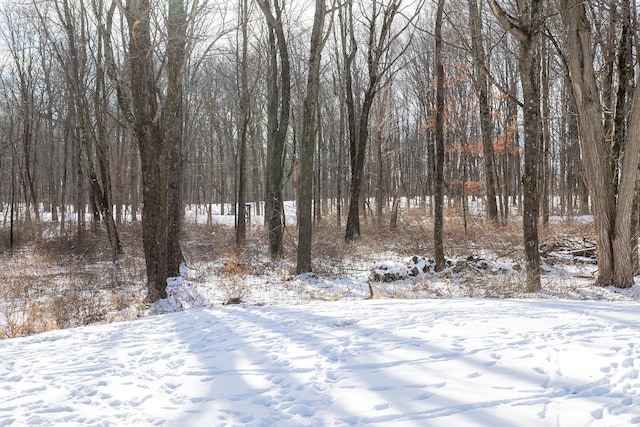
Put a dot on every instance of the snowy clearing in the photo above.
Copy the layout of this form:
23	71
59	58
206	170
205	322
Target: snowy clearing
378	362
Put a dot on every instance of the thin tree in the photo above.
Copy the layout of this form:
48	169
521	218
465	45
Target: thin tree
91	123
526	30
243	122
438	221
381	57
481	82
279	99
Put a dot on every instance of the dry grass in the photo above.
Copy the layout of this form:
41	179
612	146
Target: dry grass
66	281
63	281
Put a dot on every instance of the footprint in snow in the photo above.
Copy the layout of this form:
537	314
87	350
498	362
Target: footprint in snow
382	406
333	377
424	396
381	388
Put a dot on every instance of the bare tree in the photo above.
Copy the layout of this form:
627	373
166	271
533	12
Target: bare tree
173	129
381	56
484	104
526	29
90	107
439	143
279	99
612	204
245	117
308	142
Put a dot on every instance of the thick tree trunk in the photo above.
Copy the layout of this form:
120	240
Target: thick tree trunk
153	153
596	154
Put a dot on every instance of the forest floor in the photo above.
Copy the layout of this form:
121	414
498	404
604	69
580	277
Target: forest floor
247	343
55	280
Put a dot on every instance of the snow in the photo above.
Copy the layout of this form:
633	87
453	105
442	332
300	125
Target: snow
459	362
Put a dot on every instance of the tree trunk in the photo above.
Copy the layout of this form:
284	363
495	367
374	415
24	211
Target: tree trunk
379	33
277	126
612	212
438	221
153	153
308	142
526	31
529	66
486	121
243	94
173	132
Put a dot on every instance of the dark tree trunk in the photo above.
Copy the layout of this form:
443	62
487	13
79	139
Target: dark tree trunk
308	142
486	121
526	31
438	221
378	45
173	132
153	153
278	125
529	66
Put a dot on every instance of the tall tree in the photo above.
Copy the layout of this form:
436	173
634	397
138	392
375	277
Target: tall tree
612	170
91	118
526	29
308	142
172	127
152	147
279	100
438	221
158	128
380	58
243	121
481	82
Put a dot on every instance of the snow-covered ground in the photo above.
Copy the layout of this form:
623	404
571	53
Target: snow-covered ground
458	362
464	346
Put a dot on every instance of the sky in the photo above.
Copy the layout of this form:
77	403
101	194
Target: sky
458	362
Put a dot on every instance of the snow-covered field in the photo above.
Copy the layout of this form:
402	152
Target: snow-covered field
376	338
458	362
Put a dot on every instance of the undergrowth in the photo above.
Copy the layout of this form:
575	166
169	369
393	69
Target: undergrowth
56	280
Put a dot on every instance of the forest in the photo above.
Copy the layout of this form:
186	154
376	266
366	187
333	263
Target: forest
287	135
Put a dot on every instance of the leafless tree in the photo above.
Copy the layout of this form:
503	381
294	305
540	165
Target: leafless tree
308	142
526	29
279	109
611	185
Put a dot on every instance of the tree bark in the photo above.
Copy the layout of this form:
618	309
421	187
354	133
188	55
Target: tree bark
526	31
612	211
173	132
277	125
438	221
308	142
484	105
243	95
153	153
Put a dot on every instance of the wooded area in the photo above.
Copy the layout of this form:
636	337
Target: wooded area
128	109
